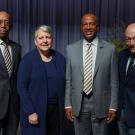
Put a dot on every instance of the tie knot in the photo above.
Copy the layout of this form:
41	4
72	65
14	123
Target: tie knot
89	44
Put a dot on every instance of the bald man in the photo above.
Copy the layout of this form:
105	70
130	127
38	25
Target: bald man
127	84
9	60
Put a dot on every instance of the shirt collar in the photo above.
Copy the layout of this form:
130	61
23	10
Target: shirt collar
94	42
1	41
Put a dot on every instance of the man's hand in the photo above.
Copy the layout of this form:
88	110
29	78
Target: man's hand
69	114
111	116
33	119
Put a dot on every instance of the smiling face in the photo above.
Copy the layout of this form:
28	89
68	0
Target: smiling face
89	27
130	37
43	41
5	24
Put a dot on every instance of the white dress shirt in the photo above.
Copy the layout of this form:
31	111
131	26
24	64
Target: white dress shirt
94	45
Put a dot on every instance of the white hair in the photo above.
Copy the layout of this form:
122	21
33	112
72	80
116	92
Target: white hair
43	28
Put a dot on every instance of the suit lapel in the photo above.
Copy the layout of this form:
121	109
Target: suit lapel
125	65
13	52
13	55
80	55
99	56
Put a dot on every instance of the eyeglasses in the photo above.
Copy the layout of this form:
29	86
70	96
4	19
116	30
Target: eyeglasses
128	39
6	22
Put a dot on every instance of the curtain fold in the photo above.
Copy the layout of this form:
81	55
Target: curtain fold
64	16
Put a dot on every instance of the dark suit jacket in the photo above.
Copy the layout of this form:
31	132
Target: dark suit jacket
127	89
32	87
8	86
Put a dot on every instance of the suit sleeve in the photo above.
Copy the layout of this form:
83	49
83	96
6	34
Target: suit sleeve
23	82
114	80
68	80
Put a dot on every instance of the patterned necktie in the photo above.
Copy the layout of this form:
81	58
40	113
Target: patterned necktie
7	59
88	71
131	65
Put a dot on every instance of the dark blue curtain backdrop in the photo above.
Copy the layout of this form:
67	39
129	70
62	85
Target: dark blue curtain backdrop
64	17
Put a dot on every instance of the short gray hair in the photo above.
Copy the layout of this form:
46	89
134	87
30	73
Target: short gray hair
43	28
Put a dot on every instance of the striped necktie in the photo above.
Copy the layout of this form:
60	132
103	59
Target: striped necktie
88	71
7	59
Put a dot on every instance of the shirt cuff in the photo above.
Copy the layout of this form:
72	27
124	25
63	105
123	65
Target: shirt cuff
68	107
113	109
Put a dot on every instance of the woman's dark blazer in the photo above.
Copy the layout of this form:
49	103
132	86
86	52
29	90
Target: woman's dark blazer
32	88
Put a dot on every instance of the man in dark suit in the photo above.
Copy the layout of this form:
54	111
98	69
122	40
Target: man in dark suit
127	84
91	81
9	60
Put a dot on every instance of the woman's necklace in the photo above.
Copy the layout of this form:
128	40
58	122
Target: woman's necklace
46	59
